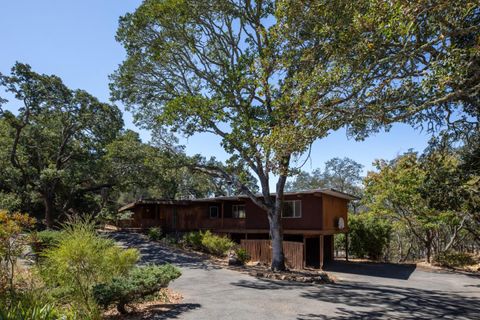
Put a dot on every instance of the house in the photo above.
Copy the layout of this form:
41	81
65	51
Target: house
310	218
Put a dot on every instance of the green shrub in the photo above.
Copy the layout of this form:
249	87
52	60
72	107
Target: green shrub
12	245
369	236
453	259
339	242
80	260
139	283
170	240
208	242
216	245
21	311
44	240
194	240
33	305
242	255
155	233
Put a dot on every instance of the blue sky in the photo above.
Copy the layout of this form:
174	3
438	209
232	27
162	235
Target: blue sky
75	40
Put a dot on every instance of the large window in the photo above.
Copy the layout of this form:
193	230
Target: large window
213	212
292	209
238	211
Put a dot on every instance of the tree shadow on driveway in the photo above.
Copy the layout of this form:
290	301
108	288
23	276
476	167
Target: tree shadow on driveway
268	284
160	311
383	270
154	252
176	310
360	300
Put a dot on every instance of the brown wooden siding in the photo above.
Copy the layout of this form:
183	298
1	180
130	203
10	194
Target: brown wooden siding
319	212
261	250
311	214
333	209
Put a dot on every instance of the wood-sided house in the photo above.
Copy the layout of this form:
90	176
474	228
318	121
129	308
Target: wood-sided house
310	217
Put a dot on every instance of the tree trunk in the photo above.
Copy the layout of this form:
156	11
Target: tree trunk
48	203
121	307
278	258
428	246
429	254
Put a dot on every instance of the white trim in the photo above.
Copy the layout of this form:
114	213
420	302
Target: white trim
235	206
294	211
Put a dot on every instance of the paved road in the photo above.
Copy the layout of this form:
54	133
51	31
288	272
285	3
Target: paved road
362	291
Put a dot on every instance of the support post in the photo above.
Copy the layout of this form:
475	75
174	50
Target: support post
346	246
332	248
321	251
221	213
304	252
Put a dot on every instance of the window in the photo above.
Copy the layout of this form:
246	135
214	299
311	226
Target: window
213	212
292	209
238	211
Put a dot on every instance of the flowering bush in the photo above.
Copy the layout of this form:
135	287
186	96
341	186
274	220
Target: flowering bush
12	243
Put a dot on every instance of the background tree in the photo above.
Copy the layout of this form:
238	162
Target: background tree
341	174
344	175
270	78
141	170
397	192
307	181
54	141
453	183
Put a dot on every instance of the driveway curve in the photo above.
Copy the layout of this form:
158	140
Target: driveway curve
362	291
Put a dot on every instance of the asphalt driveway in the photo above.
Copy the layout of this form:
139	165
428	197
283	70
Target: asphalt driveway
362	291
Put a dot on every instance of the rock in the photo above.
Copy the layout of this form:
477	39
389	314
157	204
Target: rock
233	260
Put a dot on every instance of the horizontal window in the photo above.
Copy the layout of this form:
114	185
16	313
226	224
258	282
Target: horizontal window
238	211
292	209
213	212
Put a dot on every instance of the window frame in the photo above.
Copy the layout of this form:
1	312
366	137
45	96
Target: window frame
299	209
235	206
210	212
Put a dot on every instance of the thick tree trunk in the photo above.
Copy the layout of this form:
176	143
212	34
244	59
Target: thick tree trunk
278	258
276	232
428	246
429	254
48	203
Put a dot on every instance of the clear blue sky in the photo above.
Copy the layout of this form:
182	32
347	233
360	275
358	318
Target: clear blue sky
75	40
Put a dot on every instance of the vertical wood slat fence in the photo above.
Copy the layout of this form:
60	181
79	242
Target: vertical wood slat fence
261	250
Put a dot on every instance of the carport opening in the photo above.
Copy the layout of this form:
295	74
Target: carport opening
312	251
328	253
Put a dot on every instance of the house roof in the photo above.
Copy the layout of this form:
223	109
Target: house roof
331	192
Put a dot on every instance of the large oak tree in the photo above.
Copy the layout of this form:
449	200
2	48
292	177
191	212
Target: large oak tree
271	77
54	141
